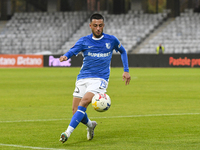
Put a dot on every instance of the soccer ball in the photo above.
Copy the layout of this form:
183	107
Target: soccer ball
101	102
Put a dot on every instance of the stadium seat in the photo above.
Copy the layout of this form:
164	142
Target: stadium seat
181	36
57	32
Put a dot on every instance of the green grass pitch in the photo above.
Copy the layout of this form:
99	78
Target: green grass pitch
159	110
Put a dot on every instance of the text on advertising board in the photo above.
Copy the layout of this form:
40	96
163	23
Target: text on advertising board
21	60
184	61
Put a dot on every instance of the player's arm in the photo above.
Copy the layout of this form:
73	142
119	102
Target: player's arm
124	58
73	51
126	76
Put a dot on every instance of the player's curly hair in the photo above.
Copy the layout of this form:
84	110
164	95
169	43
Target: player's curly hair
96	16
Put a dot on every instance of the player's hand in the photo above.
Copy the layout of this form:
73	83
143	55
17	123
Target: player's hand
63	58
127	78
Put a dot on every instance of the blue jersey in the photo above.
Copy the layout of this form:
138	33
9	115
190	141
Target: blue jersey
97	55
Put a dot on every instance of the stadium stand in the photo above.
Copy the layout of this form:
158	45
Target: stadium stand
181	36
56	33
130	28
28	33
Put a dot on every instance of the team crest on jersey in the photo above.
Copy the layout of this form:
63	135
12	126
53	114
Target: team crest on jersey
108	45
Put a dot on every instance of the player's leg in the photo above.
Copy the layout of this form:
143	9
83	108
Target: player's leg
78	94
65	135
78	116
85	101
75	104
82	93
97	86
93	87
90	124
81	111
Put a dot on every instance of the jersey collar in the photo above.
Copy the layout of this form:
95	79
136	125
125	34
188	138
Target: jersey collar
98	38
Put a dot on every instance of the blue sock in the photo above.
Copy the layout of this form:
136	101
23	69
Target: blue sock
85	119
78	117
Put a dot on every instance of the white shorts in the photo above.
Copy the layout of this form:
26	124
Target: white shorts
93	85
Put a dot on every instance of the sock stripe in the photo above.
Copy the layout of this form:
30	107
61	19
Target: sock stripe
81	111
78	117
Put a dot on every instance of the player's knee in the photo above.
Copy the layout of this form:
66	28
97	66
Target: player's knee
85	102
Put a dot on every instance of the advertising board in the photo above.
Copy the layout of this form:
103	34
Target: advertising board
21	60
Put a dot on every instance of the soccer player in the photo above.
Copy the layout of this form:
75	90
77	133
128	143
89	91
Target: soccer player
97	49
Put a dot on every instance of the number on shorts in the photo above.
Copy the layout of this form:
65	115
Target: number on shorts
102	85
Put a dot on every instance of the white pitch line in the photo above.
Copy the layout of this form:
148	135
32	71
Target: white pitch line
150	115
37	120
30	147
130	116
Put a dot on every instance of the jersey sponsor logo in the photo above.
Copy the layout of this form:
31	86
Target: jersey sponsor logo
90	46
108	45
99	54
